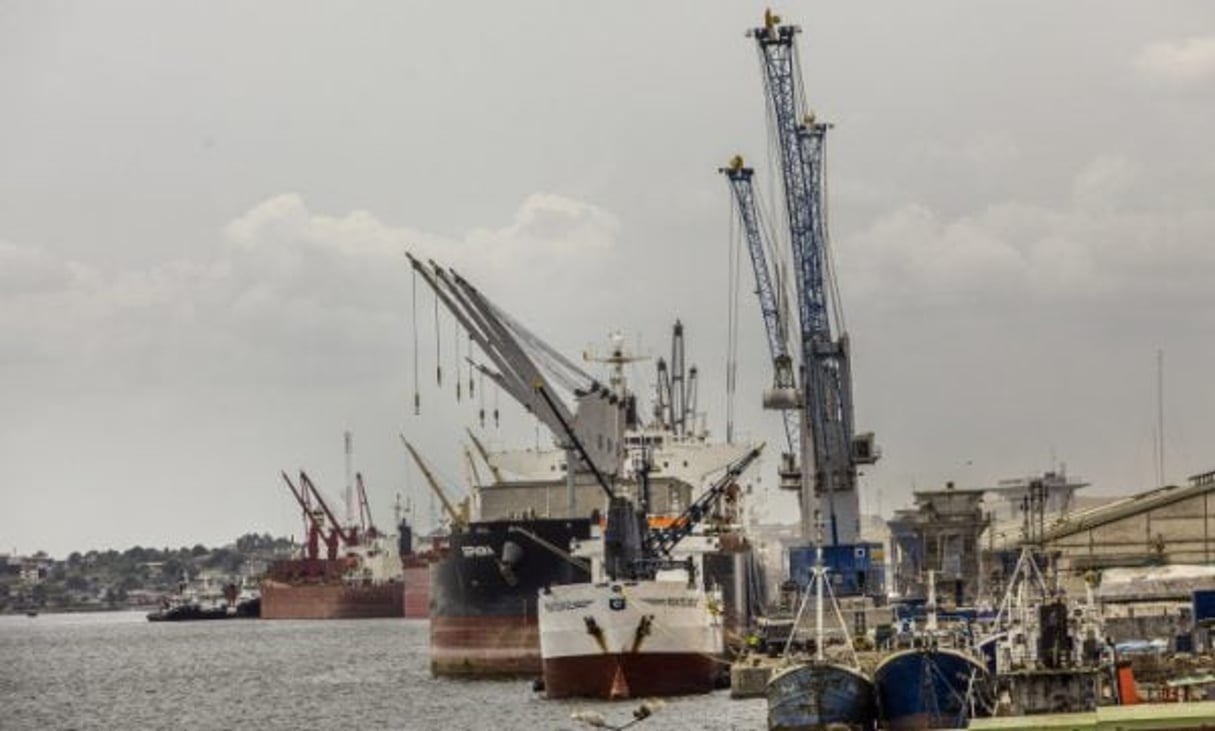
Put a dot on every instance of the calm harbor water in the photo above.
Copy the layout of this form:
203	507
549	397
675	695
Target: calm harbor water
119	671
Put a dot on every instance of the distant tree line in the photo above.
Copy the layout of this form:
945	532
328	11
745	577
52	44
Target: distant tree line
109	579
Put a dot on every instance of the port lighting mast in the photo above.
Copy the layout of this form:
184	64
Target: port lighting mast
830	453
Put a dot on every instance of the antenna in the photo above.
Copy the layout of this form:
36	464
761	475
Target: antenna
349	479
1160	417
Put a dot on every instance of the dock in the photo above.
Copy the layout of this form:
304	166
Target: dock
1196	716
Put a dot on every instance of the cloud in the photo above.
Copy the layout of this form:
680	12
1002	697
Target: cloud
988	149
1103	182
288	292
1190	60
1100	248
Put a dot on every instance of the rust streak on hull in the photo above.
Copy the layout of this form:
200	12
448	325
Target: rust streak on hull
643	674
484	645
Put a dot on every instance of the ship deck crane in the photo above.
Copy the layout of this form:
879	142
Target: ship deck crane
521	360
830	451
484	453
458	518
316	523
366	524
661	541
347	538
675	406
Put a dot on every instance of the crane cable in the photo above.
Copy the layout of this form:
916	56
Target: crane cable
417	396
837	304
438	349
732	321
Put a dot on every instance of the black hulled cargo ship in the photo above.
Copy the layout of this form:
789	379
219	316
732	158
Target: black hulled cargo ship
483	593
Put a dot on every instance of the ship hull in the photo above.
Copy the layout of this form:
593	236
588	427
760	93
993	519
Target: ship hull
483	594
817	696
416	598
930	689
630	675
190	614
331	601
630	639
485	645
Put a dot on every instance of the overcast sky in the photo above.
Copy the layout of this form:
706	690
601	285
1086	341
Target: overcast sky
204	206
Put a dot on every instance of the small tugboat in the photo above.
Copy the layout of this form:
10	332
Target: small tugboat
199	600
819	694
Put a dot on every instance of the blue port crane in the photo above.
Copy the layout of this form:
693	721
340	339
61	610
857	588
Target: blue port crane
783	394
830	452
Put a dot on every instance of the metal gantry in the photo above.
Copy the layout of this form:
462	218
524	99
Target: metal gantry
829	451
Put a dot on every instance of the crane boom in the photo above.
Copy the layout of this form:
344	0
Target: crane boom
457	519
366	524
521	360
783	393
481	450
663	541
306	482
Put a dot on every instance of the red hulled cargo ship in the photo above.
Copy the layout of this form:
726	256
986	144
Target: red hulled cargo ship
360	576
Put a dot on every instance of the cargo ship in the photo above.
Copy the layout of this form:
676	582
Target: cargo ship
417	554
632	639
646	623
483	592
360	575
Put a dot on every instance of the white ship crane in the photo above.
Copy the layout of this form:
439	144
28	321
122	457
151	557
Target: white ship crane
519	360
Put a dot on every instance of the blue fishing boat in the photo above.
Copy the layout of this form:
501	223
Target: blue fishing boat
818	695
815	695
931	688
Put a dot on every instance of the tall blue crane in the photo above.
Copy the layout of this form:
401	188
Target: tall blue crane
829	451
783	394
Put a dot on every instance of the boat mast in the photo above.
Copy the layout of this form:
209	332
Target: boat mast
932	600
818	600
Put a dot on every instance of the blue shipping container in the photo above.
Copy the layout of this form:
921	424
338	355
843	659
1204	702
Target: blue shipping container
1204	606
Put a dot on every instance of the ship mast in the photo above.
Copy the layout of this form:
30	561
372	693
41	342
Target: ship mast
350	519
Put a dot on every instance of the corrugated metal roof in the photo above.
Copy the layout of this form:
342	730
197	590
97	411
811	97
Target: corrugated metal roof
1126	507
